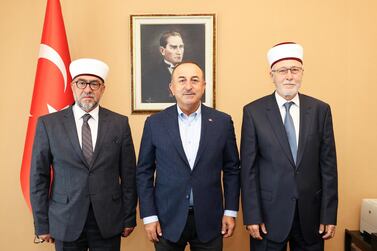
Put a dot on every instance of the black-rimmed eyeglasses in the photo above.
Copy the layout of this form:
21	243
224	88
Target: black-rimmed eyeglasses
94	84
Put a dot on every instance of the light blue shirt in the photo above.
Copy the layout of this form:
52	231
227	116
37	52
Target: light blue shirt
190	127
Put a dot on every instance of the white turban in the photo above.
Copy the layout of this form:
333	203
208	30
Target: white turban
284	51
89	66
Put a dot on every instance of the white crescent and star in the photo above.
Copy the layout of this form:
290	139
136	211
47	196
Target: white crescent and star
49	53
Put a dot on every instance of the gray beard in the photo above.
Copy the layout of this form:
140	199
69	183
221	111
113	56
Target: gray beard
87	107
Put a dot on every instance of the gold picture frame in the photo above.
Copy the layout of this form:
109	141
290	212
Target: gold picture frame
196	34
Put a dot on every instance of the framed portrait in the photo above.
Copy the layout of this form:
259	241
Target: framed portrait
158	44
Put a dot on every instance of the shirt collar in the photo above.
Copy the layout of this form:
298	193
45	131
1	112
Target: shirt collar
169	64
78	112
182	114
281	101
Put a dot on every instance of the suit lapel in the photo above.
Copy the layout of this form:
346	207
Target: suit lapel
103	129
203	133
277	125
173	130
305	122
70	126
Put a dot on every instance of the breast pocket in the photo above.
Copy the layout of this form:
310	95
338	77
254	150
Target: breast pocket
113	143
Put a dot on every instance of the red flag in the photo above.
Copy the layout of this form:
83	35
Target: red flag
52	90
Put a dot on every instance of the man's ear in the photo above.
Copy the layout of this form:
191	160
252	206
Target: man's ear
162	51
171	88
270	72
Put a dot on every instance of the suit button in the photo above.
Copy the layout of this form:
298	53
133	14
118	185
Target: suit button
187	196
293	198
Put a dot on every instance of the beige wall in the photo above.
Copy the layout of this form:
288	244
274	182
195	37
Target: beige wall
339	37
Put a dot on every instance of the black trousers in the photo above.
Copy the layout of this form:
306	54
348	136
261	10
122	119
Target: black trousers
295	239
190	236
90	238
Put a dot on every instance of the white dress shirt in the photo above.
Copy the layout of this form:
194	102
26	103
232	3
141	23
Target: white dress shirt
169	65
190	127
93	123
294	111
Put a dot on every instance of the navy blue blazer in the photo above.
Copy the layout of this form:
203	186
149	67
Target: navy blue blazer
108	183
167	193
272	184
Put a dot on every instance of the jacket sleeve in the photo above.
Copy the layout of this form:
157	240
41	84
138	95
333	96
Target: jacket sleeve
328	165
250	194
128	178
40	176
145	173
231	170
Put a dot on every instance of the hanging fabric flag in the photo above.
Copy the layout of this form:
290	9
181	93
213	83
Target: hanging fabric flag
52	91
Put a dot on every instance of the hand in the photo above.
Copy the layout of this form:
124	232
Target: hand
127	231
46	238
328	230
153	231
228	226
254	230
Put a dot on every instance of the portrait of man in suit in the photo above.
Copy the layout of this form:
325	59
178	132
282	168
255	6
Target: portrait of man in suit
156	81
187	151
162	46
288	162
90	202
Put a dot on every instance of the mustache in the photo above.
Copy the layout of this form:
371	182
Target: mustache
87	95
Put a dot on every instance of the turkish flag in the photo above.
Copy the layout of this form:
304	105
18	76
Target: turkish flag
52	91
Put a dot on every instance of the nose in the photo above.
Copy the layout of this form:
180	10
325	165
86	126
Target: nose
179	51
289	74
188	86
87	88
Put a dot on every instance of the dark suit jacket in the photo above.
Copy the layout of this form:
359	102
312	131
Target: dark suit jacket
167	196
108	183
271	182
155	85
